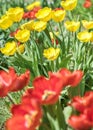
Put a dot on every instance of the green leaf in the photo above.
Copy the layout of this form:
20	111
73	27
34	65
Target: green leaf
67	113
23	61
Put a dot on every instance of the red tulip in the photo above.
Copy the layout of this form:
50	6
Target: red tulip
31	14
10	81
6	80
81	103
80	122
71	78
26	116
87	4
46	90
84	119
36	9
89	114
20	81
25	15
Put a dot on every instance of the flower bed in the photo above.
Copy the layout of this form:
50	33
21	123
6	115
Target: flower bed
46	65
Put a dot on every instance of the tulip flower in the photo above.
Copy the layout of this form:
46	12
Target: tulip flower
5	22
84	36
11	47
84	119
28	25
58	15
72	26
20	48
71	78
46	90
44	14
26	116
69	4
22	35
11	82
39	26
31	14
15	14
33	5
81	103
87	24
51	53
79	122
87	4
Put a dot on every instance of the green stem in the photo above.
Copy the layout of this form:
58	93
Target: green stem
11	99
4	68
68	43
36	56
61	31
52	117
62	43
54	65
56	117
60	116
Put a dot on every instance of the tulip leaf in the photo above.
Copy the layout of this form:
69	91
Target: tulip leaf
67	112
23	61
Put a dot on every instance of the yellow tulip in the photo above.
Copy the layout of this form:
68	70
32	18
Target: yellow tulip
28	25
72	25
34	4
69	4
15	14
21	48
44	14
58	15
84	36
39	26
9	49
23	35
5	22
51	53
87	24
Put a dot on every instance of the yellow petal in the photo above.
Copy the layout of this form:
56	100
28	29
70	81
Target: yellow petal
23	35
34	4
51	53
44	14
69	4
84	36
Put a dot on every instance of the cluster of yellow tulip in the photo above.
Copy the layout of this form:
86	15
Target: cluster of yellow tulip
43	17
11	16
10	48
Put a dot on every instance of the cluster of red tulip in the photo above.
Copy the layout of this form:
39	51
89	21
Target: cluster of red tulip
84	107
87	4
31	14
27	115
